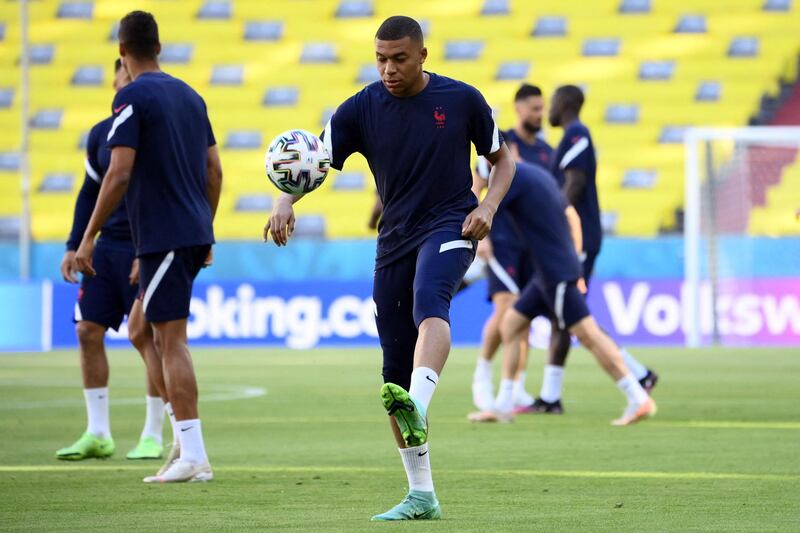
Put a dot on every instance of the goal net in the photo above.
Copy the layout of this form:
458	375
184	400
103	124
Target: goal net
741	235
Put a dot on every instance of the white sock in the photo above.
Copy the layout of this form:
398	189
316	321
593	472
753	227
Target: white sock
190	434
154	418
423	383
636	368
483	370
505	396
519	383
417	463
552	383
97	411
630	386
172	422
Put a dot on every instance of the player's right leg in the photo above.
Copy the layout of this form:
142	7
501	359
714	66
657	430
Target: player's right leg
573	315
167	280
549	400
96	441
95	311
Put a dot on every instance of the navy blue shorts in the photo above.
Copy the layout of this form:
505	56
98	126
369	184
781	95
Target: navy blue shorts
510	271
417	286
563	303
166	279
107	297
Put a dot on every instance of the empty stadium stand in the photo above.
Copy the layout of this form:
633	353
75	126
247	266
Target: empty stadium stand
650	69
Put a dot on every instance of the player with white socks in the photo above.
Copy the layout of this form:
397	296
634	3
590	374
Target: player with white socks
551	230
165	163
416	129
102	303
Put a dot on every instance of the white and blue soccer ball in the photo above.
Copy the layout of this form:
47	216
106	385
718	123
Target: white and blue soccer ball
297	162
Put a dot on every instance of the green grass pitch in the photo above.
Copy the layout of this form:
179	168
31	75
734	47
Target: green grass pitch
314	453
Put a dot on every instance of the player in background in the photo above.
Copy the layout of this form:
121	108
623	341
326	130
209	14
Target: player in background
164	161
575	167
415	128
103	301
551	230
505	255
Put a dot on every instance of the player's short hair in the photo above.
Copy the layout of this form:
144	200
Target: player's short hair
399	27
572	97
138	31
525	90
117	65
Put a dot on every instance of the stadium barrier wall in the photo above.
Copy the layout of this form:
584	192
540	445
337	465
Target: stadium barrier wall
317	313
352	260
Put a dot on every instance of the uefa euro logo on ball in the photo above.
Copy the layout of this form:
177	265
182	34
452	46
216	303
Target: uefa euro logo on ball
297	162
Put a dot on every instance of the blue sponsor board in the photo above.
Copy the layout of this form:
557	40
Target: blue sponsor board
24	326
292	314
304	315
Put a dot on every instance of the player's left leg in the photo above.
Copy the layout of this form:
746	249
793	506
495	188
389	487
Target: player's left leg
140	333
394	300
441	262
573	315
167	280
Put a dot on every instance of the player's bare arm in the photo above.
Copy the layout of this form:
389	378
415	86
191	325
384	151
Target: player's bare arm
112	190
281	222
375	215
574	183
214	188
479	221
574	221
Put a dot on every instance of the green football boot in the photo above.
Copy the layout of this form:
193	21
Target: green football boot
410	416
417	505
86	447
148	448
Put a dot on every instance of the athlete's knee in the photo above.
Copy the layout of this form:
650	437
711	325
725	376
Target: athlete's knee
587	332
139	334
512	324
430	303
89	333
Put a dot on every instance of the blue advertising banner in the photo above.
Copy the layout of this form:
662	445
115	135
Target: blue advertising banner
317	313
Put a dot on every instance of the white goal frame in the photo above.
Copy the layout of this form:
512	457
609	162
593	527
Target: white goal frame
698	165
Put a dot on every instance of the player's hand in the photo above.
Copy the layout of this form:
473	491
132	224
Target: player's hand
478	223
281	223
582	286
133	277
68	269
209	258
83	257
485	249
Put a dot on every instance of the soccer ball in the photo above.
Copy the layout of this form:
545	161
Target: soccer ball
297	162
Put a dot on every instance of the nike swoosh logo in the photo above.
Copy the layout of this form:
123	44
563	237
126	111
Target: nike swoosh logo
187	429
120	108
429	379
423	453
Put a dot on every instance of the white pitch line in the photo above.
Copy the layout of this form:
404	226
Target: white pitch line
586	474
242	393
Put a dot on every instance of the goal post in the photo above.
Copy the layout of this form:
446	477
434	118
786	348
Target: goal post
728	172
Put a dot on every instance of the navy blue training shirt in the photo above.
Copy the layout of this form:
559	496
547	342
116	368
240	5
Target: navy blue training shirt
166	122
418	150
504	231
537	206
539	153
576	150
98	156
